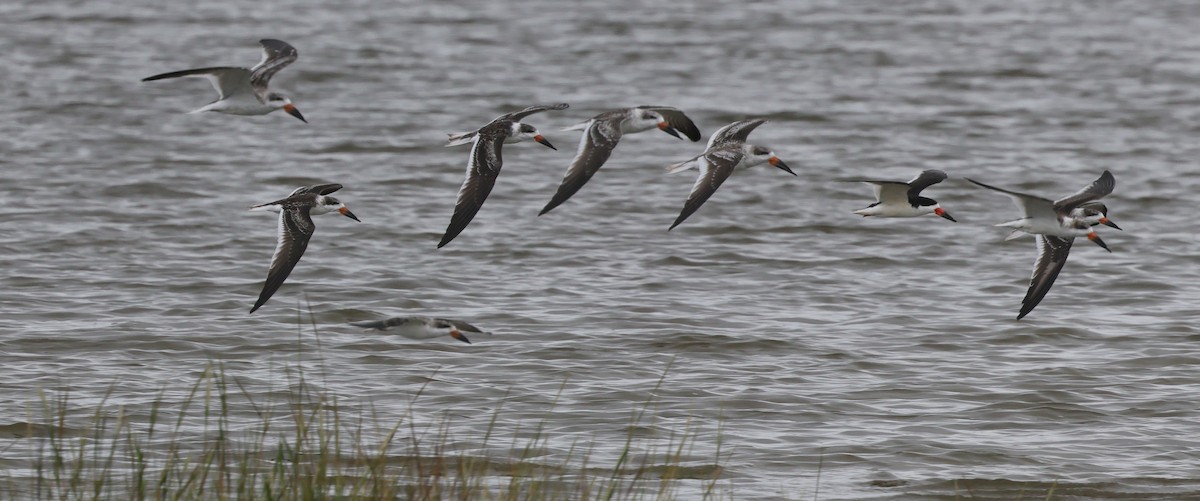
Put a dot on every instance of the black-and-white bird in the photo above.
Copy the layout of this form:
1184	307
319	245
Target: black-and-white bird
727	151
1094	213
1055	224
243	91
601	134
418	327
484	162
901	199
295	229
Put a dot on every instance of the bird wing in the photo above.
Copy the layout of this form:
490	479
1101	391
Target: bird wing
463	326
1099	188
1052	255
483	165
1032	206
737	131
715	167
321	189
595	146
277	54
295	229
886	192
517	116
924	180
678	121
228	81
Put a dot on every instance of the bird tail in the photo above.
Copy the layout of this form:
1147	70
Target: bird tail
270	207
682	166
458	138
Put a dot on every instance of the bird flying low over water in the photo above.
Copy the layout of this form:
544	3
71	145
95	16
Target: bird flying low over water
295	229
483	164
242	91
418	327
601	134
1055	224
900	199
726	152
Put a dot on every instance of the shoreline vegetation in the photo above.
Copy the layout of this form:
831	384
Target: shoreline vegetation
220	443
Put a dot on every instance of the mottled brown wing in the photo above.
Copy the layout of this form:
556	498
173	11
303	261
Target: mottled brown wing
483	166
295	229
595	146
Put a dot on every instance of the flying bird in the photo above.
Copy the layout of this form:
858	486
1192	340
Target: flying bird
1055	224
727	151
483	164
243	91
900	199
295	229
418	327
601	134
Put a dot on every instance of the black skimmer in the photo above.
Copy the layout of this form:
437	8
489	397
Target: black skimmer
243	91
1055	224
601	134
727	151
295	229
483	164
418	327
901	199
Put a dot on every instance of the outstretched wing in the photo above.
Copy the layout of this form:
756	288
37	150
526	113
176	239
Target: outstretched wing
923	180
887	192
715	168
277	54
295	229
595	146
678	121
1031	206
462	326
1052	255
517	116
1098	189
737	131
483	166
226	80
320	189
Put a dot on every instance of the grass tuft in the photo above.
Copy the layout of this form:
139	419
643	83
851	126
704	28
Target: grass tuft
219	443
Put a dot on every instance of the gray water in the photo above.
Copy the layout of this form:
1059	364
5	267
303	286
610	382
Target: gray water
877	352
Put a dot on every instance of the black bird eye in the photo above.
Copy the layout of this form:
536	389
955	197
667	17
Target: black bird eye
527	128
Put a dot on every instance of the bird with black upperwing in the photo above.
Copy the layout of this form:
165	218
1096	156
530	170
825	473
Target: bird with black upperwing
484	162
295	229
243	91
601	134
901	199
1055	224
726	152
419	327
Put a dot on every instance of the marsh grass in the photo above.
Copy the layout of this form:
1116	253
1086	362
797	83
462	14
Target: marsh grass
218	442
